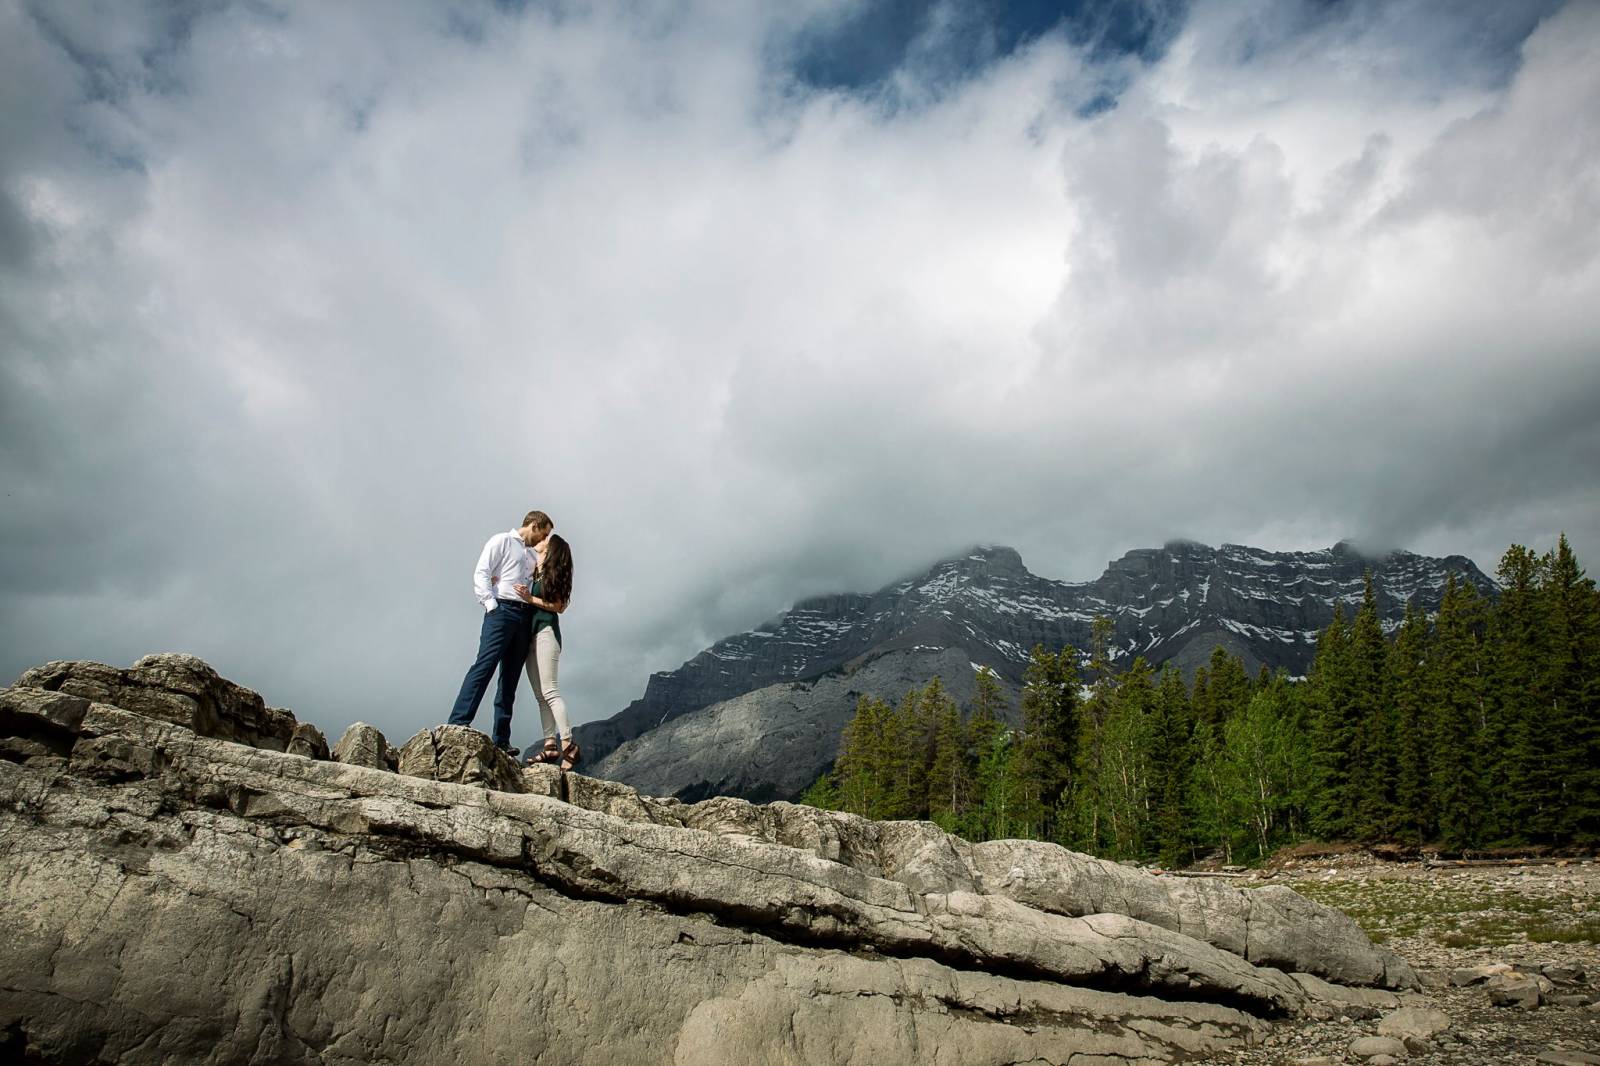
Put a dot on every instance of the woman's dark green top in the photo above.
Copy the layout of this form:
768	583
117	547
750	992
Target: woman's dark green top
543	619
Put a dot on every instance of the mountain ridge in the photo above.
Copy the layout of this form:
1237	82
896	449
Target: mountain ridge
1175	603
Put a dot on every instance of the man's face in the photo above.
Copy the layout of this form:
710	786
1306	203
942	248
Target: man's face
540	536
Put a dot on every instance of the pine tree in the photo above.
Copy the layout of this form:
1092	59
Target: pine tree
1081	820
1172	760
1228	684
1407	688
1455	685
861	773
949	775
822	793
989	744
910	745
1049	739
1333	802
1294	703
1372	747
1516	739
1201	707
1573	648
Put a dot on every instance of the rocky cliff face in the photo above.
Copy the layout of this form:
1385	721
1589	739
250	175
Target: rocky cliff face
768	706
175	896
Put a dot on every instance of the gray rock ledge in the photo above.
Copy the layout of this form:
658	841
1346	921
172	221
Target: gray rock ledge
176	896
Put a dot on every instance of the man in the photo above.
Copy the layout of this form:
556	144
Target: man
508	559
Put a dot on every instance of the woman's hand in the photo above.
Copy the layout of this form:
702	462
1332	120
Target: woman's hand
524	595
546	605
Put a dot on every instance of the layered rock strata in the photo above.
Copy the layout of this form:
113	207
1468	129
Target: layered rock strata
172	895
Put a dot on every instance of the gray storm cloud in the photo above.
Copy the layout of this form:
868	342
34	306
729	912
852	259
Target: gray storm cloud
298	307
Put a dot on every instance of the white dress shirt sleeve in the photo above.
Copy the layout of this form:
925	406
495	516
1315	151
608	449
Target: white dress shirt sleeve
488	567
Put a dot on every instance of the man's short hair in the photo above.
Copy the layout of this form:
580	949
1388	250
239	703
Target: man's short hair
538	520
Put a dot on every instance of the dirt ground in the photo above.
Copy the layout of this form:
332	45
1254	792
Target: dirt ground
1446	920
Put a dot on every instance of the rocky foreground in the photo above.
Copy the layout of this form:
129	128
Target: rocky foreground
1507	955
193	876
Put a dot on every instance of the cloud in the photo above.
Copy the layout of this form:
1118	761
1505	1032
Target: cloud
300	305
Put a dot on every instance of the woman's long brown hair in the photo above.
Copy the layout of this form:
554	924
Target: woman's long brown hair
556	570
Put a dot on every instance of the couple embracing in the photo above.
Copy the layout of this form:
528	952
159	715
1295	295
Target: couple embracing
523	580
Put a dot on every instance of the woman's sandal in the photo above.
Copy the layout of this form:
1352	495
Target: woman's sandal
551	752
569	755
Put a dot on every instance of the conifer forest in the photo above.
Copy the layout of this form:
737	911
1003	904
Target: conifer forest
1474	728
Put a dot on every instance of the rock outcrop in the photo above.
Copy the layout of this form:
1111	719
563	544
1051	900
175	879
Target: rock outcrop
175	896
365	745
759	714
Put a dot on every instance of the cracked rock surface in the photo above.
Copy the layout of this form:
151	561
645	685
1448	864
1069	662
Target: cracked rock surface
179	887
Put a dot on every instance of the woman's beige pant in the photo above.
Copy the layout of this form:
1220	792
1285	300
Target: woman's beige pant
544	656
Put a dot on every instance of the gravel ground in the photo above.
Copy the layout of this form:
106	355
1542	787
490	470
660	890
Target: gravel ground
1530	920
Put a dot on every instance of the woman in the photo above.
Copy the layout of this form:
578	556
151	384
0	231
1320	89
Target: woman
552	588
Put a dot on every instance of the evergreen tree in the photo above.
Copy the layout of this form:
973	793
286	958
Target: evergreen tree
1201	706
861	776
1408	695
1082	824
1516	740
1228	685
989	744
1333	804
1171	760
1372	746
911	741
949	774
1455	687
1572	648
1049	739
822	793
1294	701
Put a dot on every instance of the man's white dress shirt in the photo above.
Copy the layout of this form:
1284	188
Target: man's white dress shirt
505	561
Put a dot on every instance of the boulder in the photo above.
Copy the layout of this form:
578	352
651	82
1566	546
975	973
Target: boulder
1353	1002
1465	976
173	688
608	797
1375	1047
1563	973
542	779
364	745
1517	990
308	741
460	754
1567	1057
1421	1022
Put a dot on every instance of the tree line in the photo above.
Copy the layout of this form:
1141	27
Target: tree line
1476	726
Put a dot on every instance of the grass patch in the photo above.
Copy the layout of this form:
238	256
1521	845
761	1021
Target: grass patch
1587	929
1455	915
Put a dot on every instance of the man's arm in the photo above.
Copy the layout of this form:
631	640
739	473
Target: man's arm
488	568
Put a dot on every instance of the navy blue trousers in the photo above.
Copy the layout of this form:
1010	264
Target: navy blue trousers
502	642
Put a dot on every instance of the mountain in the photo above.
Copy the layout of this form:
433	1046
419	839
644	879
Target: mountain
759	714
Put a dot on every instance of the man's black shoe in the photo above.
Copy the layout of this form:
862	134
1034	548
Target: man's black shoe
509	750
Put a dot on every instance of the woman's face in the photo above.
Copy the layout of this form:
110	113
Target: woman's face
540	544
